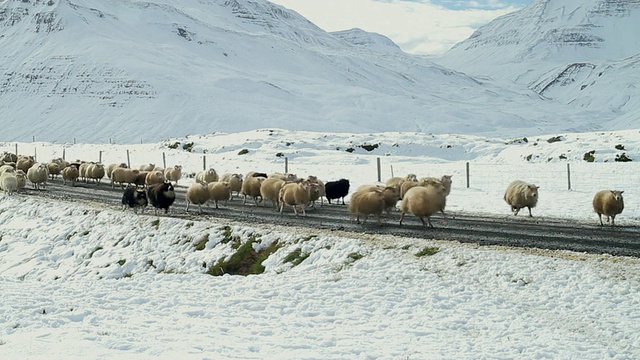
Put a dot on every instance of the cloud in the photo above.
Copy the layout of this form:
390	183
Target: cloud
417	26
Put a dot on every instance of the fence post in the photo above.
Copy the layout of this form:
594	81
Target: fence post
164	160
204	162
128	160
35	154
64	154
100	157
74	141
379	170
16	149
392	171
286	165
33	138
467	174
568	176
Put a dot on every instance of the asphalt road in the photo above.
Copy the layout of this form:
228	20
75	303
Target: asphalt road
508	230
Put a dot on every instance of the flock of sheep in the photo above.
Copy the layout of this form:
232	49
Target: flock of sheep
152	185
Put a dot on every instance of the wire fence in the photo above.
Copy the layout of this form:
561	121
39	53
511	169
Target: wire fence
580	176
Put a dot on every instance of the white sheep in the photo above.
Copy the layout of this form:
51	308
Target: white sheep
154	177
38	174
286	177
198	194
234	181
424	201
391	195
207	176
8	182
317	190
397	181
22	179
124	175
7	168
520	194
366	202
95	172
294	194
113	166
219	191
445	180
82	170
70	173
173	174
147	167
270	190
608	203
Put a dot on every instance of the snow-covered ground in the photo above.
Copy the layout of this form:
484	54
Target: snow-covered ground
82	281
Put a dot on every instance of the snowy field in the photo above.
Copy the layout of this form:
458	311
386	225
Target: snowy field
82	281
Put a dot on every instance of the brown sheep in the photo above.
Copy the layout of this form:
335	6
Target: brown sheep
608	203
366	202
24	163
70	173
141	179
519	195
270	190
295	194
198	194
54	169
219	191
251	187
424	201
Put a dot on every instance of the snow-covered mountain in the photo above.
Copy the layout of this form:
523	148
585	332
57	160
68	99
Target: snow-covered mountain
151	70
585	53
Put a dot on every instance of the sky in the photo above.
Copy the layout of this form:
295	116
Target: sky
418	26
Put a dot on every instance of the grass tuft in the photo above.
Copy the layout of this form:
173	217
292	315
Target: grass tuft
200	245
428	251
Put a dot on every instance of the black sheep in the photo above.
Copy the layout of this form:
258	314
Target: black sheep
134	198
161	196
336	190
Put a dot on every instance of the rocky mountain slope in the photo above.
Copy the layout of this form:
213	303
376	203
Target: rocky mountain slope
149	70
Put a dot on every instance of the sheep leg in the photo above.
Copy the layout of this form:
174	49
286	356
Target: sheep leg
529	207
429	221
187	209
281	207
401	217
304	213
613	219
515	213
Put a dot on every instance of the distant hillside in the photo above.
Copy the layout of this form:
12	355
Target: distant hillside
585	53
132	70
